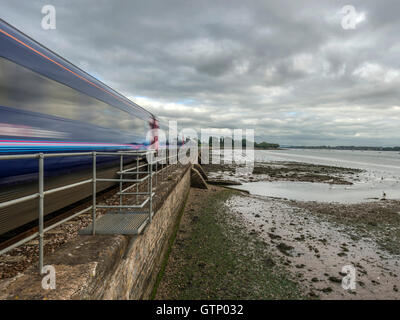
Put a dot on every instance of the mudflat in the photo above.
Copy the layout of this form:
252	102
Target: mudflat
232	244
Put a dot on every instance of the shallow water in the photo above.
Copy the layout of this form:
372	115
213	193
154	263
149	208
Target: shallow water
381	176
386	161
323	192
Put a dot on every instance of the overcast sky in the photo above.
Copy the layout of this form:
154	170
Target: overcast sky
286	68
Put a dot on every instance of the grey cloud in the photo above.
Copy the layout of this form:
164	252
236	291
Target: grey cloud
285	68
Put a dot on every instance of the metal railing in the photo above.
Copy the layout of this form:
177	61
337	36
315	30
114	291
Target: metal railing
138	178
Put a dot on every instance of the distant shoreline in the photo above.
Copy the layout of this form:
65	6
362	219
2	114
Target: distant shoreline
269	148
255	148
352	148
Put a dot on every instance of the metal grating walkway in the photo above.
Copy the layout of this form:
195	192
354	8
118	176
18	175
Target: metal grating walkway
125	223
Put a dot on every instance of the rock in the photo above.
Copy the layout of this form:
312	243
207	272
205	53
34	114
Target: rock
13	259
324	241
54	232
312	294
36	242
284	248
196	180
220	182
334	279
301	238
274	236
269	262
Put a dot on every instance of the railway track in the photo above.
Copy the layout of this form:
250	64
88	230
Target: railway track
27	230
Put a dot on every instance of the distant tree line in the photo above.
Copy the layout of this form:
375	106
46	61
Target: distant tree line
266	145
229	142
348	148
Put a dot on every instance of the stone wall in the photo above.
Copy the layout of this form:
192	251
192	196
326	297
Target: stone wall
136	274
107	267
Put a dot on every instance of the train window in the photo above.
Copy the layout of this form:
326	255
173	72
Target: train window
24	89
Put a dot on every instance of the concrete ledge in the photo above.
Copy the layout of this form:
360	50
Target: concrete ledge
196	180
106	267
200	169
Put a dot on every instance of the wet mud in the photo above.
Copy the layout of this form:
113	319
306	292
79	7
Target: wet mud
316	249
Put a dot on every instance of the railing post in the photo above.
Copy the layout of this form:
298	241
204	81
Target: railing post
41	210
167	163
163	170
94	195
121	168
156	172
151	186
137	178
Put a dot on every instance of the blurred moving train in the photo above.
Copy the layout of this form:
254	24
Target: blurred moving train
49	105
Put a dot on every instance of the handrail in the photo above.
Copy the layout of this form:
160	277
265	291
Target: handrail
123	192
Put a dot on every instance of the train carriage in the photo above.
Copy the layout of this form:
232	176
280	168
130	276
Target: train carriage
49	105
